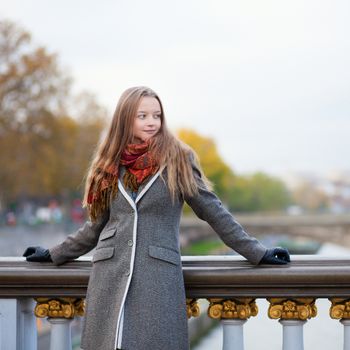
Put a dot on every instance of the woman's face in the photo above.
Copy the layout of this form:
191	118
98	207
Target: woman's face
147	120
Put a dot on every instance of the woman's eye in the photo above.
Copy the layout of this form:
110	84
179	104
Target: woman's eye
157	116
141	116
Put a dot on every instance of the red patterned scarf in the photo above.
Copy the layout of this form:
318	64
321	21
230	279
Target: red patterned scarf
140	164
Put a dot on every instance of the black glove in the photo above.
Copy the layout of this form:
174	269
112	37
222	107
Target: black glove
39	254
275	256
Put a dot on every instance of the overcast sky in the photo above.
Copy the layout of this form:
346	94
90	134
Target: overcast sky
268	80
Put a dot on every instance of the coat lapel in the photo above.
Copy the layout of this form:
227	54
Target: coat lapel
147	186
142	190
126	195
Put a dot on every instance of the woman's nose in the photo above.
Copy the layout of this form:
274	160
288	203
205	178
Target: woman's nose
150	120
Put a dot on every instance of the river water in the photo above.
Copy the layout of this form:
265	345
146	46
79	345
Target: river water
263	333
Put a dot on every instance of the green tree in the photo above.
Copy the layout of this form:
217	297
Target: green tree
259	192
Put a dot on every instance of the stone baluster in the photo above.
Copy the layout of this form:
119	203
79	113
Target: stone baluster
340	310
17	324
292	314
60	312
233	313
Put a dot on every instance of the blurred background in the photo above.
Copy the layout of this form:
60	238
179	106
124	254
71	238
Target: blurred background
260	89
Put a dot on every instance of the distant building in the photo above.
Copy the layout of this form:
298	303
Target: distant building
335	185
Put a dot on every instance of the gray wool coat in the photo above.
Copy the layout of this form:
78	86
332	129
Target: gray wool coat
136	297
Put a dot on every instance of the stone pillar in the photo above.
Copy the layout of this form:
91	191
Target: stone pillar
60	312
340	310
293	337
233	313
292	314
60	338
28	324
17	324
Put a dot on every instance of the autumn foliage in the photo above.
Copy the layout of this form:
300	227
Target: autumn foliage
45	147
255	192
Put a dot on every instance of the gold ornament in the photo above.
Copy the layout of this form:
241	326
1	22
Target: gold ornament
340	308
192	308
241	308
59	307
292	309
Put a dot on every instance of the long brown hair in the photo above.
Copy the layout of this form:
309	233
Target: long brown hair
168	150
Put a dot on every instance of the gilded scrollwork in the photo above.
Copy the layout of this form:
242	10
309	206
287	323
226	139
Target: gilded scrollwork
59	307
340	308
192	307
240	308
288	309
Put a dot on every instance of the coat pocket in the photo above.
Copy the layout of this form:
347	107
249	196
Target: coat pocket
108	233
103	254
165	254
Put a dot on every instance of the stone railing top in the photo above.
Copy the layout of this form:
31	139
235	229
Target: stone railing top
205	276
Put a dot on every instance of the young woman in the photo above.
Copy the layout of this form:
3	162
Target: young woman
135	189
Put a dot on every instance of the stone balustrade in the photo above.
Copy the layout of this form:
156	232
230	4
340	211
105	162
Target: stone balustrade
229	283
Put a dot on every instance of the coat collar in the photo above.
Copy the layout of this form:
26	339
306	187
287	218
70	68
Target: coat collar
143	189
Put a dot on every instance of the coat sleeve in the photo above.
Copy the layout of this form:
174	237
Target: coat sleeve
209	208
79	242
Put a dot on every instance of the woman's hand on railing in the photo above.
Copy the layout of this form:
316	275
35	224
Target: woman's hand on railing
38	254
276	256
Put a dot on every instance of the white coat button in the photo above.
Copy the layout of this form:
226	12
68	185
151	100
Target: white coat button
127	273
130	242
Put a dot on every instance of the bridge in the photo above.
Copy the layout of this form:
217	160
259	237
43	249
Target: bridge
229	283
318	227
